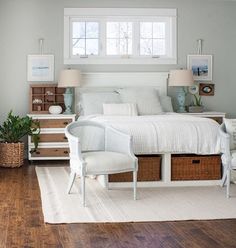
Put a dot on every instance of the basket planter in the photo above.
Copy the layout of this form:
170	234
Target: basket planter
11	154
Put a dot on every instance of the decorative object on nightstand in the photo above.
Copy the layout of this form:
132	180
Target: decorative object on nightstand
196	105
181	78
69	79
43	96
55	109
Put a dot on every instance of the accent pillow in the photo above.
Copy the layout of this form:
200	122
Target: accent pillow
230	125
147	100
166	103
128	109
92	102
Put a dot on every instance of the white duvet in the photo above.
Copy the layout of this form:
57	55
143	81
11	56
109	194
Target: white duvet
172	133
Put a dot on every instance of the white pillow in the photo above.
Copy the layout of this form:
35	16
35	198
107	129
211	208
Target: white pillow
166	104
92	102
147	100
129	109
230	125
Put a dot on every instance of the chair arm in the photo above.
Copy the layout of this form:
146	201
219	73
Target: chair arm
117	141
225	141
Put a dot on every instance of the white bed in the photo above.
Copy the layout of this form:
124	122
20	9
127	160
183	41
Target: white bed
164	134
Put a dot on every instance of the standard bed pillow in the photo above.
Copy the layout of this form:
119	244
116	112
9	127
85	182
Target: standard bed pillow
147	100
128	109
166	104
230	125
92	102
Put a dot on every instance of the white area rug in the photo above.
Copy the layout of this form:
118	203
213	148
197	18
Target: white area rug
117	205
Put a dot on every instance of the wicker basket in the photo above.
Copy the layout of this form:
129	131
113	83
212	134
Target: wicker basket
149	169
11	154
195	167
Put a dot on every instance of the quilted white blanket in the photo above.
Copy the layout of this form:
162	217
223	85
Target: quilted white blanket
174	133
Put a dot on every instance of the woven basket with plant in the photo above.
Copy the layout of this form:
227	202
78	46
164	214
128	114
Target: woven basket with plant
11	132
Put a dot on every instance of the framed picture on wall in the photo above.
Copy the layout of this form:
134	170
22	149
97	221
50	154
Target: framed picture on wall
40	68
206	89
201	65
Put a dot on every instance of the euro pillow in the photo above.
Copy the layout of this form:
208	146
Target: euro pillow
126	109
92	102
147	100
166	104
230	125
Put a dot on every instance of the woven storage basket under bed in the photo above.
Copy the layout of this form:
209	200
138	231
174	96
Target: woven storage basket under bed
11	154
195	167
149	169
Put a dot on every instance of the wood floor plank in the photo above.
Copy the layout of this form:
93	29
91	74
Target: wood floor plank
22	225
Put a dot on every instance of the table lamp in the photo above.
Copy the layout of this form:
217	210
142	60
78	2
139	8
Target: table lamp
181	79
69	79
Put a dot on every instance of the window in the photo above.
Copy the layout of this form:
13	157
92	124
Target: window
152	38
125	36
85	38
119	38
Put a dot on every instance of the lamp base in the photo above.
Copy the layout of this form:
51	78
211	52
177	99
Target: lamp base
68	100
181	100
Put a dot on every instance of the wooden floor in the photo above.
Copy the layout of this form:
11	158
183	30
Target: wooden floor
21	224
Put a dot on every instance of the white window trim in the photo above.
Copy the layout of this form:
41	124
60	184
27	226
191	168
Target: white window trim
116	14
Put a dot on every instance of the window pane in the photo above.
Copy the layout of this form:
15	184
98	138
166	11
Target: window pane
112	29
125	46
125	30
146	47
78	47
158	30
159	47
145	29
92	29
78	30
112	46
92	46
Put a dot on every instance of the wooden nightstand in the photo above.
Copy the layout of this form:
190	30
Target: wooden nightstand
217	116
53	144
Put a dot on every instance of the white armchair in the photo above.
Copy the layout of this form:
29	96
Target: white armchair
116	156
228	158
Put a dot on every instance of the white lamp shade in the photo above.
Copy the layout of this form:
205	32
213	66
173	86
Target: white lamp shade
181	78
69	78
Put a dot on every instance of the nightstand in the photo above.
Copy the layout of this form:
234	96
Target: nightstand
53	144
217	116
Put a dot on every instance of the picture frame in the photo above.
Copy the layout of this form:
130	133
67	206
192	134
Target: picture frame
206	89
201	65
40	68
194	89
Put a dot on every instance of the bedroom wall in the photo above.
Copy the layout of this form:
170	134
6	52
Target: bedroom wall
23	22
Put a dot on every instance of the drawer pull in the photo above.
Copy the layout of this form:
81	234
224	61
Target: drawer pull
65	152
196	161
65	123
37	152
64	138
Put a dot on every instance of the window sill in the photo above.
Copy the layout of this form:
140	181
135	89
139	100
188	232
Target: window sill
139	61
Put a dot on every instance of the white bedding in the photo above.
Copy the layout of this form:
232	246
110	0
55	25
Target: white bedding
172	133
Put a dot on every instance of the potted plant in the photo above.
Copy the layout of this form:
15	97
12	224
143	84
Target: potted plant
196	106
11	132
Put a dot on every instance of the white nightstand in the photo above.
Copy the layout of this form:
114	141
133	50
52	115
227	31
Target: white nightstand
217	116
53	143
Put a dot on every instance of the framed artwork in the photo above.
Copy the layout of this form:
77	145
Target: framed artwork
201	65
194	89
206	89
40	68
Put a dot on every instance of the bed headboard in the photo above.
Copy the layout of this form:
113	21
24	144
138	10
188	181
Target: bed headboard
109	81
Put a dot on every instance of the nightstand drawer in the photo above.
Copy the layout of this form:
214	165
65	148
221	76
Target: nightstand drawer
51	152
217	119
52	137
54	123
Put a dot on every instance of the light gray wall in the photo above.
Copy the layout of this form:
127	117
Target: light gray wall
23	22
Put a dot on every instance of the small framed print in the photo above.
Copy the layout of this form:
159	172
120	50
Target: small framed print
201	65
40	68
206	89
194	89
